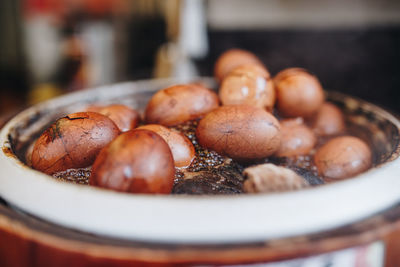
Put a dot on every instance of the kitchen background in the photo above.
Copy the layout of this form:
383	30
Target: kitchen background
50	47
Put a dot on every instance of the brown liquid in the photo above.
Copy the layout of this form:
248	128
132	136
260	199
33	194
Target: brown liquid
211	173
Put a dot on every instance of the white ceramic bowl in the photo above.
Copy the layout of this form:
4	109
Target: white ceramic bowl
196	219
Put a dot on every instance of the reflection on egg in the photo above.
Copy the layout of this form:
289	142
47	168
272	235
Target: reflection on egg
250	85
299	93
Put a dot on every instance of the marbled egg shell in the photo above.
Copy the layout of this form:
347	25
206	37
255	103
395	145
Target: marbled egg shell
241	132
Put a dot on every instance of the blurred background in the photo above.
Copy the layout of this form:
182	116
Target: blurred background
51	47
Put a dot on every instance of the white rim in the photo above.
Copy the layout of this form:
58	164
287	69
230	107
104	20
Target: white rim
188	219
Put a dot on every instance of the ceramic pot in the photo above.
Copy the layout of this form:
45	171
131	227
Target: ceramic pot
197	220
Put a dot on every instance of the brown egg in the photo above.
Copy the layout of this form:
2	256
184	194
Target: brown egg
299	94
73	141
296	138
181	147
231	59
124	117
250	85
240	132
328	120
343	157
180	103
137	161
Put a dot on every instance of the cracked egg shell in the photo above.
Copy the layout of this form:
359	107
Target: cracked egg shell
182	149
125	118
249	84
137	161
231	59
343	157
241	132
73	141
180	103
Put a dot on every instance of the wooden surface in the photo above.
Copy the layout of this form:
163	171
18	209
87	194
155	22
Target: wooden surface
28	241
392	254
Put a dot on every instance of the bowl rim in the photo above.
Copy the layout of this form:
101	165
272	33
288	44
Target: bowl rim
192	219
